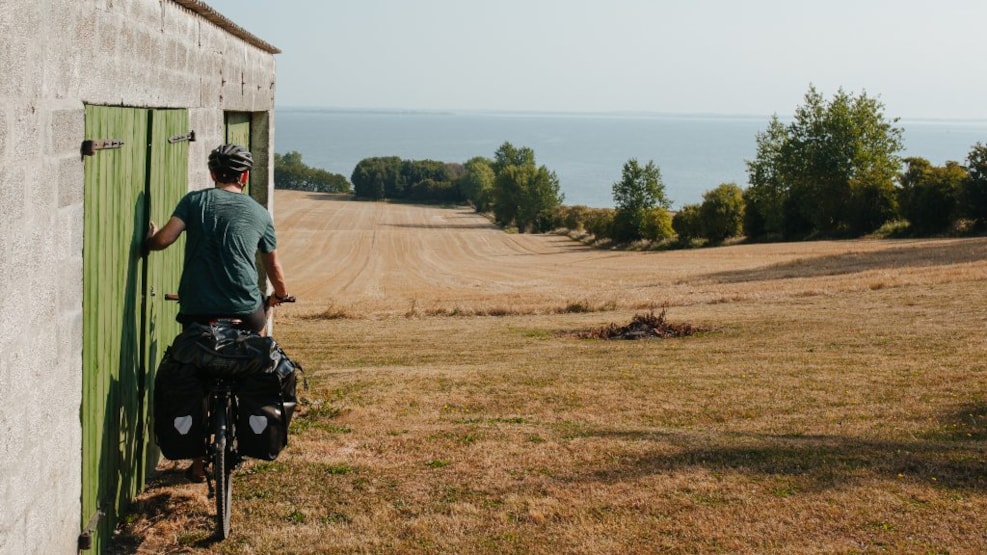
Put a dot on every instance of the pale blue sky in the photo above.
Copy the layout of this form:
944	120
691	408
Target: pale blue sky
924	59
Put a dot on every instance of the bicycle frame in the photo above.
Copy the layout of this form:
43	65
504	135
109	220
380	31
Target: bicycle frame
223	457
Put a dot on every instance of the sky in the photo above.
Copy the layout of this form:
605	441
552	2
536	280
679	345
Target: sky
923	60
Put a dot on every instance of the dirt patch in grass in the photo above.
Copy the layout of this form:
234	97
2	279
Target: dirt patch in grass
643	326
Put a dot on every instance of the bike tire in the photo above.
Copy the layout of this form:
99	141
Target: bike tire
222	466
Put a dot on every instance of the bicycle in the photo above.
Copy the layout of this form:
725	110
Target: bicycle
221	437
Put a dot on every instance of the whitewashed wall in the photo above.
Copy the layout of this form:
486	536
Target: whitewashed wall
55	57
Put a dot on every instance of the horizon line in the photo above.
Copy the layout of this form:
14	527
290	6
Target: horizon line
575	113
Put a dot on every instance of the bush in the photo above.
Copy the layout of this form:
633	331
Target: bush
721	214
687	223
657	225
928	197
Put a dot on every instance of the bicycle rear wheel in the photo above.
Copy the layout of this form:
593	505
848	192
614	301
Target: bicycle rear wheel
222	467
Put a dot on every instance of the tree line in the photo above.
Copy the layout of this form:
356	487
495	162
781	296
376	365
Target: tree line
834	170
291	173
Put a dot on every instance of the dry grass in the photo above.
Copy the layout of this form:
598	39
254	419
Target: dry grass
839	407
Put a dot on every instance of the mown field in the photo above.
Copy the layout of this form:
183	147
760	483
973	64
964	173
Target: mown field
836	404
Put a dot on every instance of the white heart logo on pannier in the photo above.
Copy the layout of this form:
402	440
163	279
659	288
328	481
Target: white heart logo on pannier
183	424
258	423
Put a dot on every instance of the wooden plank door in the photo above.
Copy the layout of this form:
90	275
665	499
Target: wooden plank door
167	183
238	133
112	289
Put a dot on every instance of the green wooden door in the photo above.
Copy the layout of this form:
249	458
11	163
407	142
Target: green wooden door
112	271
167	183
238	133
122	335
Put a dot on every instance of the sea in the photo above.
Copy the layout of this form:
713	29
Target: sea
587	152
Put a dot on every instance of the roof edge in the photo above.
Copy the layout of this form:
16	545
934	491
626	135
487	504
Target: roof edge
226	24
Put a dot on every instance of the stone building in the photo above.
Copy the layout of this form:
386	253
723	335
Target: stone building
108	110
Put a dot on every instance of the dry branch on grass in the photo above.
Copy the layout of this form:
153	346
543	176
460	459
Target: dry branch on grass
643	326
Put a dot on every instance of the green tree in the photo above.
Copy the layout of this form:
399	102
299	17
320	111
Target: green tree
929	195
542	196
722	212
841	159
639	191
524	195
477	183
687	223
291	173
832	169
378	178
974	191
765	197
509	155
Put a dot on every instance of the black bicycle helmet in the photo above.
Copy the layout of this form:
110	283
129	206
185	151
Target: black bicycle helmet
230	159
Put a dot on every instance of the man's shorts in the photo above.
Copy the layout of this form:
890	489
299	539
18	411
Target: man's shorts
255	321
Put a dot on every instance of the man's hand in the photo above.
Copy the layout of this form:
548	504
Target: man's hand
146	245
157	239
276	300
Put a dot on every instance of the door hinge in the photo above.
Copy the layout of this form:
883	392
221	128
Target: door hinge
190	137
86	537
90	146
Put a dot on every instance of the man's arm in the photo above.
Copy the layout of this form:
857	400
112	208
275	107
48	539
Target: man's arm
274	273
160	239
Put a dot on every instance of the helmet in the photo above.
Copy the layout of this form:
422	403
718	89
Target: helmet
230	159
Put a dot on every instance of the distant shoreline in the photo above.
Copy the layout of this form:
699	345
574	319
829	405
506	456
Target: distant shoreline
611	114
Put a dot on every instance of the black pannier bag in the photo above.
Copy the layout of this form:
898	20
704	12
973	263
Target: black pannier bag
265	403
264	411
179	410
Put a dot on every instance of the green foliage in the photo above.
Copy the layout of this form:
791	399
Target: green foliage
765	197
291	173
509	155
524	195
477	183
594	221
639	191
929	195
377	178
721	213
830	171
599	222
687	223
657	225
419	180
974	193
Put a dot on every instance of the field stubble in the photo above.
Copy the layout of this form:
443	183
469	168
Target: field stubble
837	405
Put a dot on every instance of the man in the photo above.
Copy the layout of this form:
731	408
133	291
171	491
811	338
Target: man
225	230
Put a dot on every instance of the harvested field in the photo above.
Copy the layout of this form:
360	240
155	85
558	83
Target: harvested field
837	404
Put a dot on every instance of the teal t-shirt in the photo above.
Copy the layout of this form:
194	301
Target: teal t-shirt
223	232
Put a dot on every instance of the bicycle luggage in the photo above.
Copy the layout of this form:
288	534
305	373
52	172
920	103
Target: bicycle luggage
265	404
180	406
223	351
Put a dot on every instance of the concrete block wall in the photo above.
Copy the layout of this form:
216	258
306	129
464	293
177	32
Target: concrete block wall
56	57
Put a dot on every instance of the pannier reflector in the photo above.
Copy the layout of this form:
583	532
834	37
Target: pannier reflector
183	424
258	423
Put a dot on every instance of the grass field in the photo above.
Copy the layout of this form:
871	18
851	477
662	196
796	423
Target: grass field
837	404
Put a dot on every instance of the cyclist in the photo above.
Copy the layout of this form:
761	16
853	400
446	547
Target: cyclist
225	230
